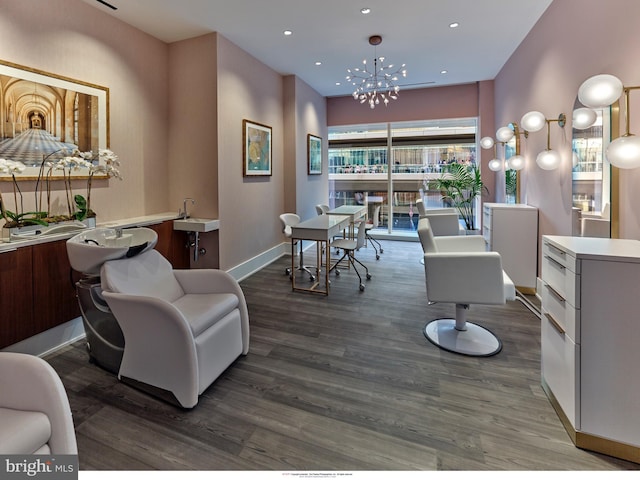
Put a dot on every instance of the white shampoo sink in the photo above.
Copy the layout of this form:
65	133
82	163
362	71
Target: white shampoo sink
200	225
88	250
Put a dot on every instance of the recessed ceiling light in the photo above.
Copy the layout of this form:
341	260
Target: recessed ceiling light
444	71
338	84
454	25
318	63
365	10
287	33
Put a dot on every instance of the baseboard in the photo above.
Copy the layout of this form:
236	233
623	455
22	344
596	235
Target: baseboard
251	266
50	340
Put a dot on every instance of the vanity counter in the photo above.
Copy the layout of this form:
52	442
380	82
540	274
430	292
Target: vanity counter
141	221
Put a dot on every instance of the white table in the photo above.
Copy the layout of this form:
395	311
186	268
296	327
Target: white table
354	212
320	229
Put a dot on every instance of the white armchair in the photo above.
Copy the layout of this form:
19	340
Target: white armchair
444	221
596	224
35	416
182	328
459	270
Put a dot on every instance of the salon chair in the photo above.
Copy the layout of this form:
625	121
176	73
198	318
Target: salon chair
182	328
459	270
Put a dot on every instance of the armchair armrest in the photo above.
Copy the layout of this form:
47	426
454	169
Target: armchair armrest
30	383
461	243
169	353
216	281
465	278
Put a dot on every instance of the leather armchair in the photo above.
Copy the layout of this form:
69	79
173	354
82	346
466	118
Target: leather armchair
459	270
35	415
182	328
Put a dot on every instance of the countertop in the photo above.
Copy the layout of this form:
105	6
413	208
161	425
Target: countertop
123	223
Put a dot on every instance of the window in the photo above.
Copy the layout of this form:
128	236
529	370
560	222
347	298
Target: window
360	157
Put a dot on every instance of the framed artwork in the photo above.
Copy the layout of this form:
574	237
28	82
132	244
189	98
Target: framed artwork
45	117
314	154
256	140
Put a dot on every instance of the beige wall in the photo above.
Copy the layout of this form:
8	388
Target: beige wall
72	39
574	40
176	122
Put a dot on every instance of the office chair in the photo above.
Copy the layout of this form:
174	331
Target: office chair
370	225
288	220
349	247
321	209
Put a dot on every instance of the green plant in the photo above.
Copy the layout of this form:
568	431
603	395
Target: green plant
461	185
511	183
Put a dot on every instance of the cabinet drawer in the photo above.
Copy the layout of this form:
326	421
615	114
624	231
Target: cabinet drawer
486	233
560	367
561	279
486	219
562	313
559	256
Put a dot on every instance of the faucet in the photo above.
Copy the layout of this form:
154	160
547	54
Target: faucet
183	213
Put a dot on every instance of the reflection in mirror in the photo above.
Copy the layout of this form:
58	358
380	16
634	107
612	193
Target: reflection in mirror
591	185
510	175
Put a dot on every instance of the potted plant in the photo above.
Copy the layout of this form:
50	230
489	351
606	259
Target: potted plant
460	185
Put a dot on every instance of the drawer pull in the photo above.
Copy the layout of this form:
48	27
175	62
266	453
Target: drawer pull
555	293
556	250
555	262
555	324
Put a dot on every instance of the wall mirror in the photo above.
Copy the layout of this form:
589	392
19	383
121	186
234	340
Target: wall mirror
592	182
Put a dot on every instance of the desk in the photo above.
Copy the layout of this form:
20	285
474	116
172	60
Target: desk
319	229
354	212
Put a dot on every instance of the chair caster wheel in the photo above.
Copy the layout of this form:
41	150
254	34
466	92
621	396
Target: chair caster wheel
368	276
361	287
287	271
381	251
312	278
337	272
377	257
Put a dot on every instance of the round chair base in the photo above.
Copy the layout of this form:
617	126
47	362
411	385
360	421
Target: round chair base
475	341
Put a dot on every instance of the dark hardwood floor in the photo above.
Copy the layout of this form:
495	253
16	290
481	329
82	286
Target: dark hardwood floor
344	382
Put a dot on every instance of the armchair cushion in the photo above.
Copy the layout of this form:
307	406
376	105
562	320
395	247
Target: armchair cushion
200	309
23	432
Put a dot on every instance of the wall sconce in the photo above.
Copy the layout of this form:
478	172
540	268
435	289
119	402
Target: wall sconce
486	143
533	121
601	91
503	136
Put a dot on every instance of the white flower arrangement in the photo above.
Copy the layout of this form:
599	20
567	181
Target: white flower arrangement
105	163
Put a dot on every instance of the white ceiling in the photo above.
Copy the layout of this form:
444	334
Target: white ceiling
415	32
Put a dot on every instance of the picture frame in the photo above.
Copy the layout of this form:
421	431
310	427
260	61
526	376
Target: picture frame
48	116
314	154
257	148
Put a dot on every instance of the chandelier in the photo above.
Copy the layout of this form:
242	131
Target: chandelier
378	84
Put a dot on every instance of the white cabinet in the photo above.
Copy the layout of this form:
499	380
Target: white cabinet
590	340
511	229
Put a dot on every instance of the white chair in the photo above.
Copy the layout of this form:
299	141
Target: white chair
596	224
444	221
182	328
370	225
349	247
459	270
289	220
35	416
322	209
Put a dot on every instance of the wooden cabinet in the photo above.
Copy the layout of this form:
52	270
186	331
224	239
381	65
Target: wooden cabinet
172	244
37	284
590	338
511	229
16	296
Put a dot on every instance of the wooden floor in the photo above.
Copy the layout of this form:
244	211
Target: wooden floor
345	382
